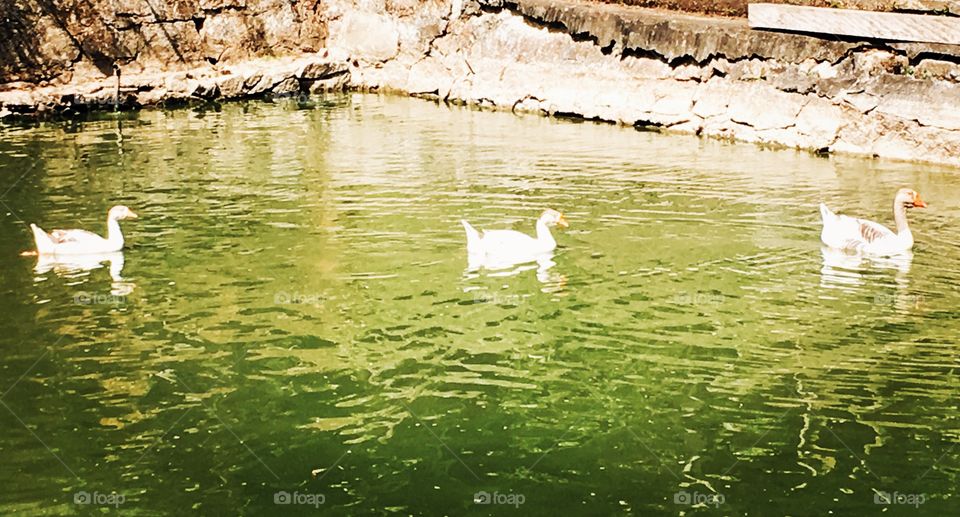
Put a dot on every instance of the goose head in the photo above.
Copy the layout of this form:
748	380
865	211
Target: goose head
120	212
908	198
551	217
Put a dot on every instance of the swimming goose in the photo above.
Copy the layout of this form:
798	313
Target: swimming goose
513	245
79	242
843	232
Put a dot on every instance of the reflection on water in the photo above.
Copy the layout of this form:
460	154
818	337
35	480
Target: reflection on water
500	267
298	314
70	266
486	266
75	267
843	268
852	271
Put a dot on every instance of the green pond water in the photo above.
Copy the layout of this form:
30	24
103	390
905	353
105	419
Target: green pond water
293	328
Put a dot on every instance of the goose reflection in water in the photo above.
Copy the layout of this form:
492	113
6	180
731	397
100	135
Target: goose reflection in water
850	271
77	266
553	281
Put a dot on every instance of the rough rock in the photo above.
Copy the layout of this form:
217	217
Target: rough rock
819	118
313	70
288	86
335	83
371	36
57	39
230	36
232	86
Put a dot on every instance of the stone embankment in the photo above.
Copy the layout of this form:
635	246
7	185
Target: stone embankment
254	78
678	73
652	69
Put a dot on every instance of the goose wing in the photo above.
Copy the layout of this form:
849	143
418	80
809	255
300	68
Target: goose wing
65	236
864	232
872	232
507	240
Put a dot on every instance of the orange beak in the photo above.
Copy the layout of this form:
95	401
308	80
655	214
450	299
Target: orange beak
562	222
917	202
131	215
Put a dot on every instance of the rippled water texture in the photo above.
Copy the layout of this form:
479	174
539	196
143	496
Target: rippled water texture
294	314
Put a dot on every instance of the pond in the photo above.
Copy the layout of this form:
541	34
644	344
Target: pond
293	326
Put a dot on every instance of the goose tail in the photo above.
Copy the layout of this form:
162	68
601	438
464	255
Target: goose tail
473	236
830	234
826	214
42	239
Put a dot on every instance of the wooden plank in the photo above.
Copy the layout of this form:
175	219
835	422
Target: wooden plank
862	24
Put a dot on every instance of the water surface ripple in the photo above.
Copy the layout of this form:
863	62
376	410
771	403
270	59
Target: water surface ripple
294	313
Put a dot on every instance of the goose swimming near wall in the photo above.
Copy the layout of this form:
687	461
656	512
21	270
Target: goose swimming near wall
862	235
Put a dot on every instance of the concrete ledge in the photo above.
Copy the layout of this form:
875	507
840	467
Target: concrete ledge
678	35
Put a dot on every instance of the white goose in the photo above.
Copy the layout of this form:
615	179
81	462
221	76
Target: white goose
512	246
861	235
80	242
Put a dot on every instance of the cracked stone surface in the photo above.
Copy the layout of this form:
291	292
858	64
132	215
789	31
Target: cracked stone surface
53	40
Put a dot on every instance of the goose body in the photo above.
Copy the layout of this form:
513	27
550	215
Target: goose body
82	242
513	246
865	236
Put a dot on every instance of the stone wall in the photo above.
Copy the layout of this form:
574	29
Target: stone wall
673	72
51	41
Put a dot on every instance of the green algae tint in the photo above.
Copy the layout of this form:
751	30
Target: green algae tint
293	328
